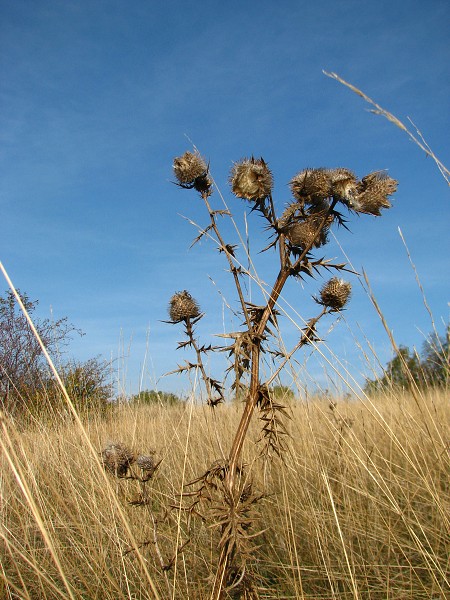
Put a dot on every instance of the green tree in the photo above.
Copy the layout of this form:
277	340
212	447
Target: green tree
431	368
436	359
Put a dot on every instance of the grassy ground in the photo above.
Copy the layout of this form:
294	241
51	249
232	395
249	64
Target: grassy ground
358	509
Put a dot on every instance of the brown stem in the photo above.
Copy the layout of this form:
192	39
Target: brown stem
252	398
206	379
190	334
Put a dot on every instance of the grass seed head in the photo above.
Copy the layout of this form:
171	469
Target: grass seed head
182	306
251	179
335	293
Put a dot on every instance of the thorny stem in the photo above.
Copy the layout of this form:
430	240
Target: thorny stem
193	343
283	275
257	334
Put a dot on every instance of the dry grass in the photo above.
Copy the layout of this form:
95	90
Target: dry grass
358	509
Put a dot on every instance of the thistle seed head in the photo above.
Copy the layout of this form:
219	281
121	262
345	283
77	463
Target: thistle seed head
145	462
182	306
251	179
191	171
147	466
372	193
117	458
302	234
311	185
343	184
335	293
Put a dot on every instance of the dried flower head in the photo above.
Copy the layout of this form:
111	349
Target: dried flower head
335	293
372	193
305	234
182	306
251	179
147	466
343	184
145	462
311	185
117	458
191	171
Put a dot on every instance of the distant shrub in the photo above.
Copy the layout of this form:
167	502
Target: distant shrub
23	369
88	383
155	397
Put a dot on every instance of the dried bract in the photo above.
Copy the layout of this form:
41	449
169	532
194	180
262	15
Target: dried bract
182	307
117	458
343	184
372	193
251	179
311	185
335	293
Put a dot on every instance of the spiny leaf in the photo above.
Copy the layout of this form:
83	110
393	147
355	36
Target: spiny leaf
201	234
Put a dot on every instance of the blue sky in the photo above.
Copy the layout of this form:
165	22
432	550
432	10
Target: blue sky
98	97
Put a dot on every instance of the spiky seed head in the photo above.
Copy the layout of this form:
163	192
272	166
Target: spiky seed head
320	207
182	306
145	462
191	171
251	179
147	466
188	167
335	293
343	183
117	458
372	193
303	234
311	185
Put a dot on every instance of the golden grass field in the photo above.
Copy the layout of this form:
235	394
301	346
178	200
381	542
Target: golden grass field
359	508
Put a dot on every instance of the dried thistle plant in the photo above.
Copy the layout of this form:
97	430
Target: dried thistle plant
117	458
319	196
183	308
